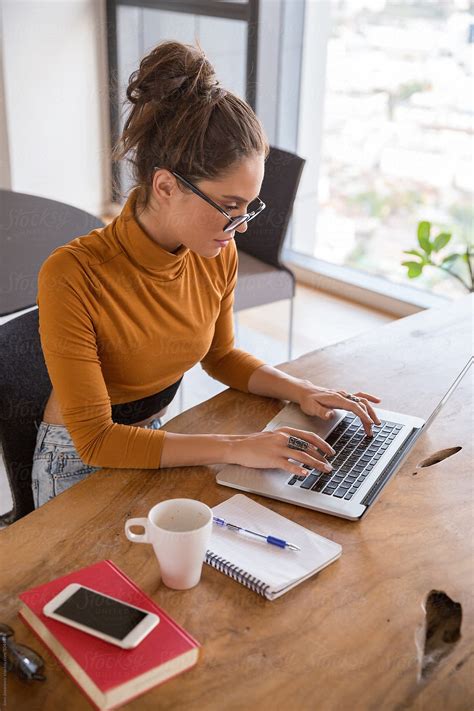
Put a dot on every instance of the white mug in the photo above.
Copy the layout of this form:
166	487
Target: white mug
179	531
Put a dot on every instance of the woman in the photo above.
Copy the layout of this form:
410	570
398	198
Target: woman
126	310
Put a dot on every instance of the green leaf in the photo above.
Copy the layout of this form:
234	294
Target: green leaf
424	229
416	252
441	241
451	258
414	269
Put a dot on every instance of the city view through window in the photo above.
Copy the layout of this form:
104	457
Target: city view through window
398	137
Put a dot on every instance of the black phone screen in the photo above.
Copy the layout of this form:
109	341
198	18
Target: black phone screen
100	613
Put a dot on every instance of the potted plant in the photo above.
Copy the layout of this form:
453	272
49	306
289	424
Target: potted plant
430	247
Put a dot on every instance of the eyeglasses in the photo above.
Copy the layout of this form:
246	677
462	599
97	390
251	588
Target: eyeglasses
233	221
24	661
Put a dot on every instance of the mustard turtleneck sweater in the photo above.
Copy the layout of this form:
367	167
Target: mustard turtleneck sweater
121	318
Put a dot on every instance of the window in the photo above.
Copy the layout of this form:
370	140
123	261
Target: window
396	139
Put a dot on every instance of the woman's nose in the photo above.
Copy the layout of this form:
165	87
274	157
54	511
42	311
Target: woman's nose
242	227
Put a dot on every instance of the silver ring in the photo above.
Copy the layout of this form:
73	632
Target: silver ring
354	398
297	443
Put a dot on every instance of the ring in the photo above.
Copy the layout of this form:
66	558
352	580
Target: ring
353	397
297	443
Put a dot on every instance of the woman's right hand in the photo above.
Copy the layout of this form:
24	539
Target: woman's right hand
270	450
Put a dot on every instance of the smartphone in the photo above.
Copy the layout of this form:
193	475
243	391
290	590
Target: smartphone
101	615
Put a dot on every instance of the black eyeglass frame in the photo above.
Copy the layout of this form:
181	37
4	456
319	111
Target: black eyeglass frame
234	222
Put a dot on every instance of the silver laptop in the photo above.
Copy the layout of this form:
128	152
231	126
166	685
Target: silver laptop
362	465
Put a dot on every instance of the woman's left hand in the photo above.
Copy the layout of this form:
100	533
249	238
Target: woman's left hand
319	401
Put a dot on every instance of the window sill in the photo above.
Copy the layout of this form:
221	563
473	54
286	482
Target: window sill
373	291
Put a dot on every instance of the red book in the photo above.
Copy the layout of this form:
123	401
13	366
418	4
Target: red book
108	675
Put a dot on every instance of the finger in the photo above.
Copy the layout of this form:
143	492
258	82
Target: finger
326	412
313	439
292	467
315	456
301	457
310	437
372	398
358	410
320	410
372	412
306	458
367	424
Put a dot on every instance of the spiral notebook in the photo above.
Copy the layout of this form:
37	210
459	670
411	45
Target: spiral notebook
260	566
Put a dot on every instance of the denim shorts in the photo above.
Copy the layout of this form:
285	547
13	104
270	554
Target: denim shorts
56	463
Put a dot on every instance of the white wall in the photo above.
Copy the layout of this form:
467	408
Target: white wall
4	151
55	84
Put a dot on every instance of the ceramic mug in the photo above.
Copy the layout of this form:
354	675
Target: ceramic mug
179	531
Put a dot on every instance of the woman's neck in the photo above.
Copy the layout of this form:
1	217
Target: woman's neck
148	219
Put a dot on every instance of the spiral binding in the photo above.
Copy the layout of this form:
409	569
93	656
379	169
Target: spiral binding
238	574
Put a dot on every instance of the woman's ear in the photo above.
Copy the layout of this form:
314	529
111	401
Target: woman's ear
164	184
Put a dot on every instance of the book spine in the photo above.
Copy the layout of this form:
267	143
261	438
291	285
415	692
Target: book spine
47	643
236	573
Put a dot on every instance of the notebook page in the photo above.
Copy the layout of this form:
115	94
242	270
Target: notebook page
276	567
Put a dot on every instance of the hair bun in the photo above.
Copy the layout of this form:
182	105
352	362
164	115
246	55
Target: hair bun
180	118
172	70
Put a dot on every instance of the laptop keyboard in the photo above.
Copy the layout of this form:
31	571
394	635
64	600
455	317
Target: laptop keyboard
356	455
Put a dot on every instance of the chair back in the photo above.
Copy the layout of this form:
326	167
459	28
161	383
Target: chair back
266	233
30	228
24	390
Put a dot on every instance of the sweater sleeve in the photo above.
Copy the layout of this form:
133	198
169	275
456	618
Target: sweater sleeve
69	345
229	365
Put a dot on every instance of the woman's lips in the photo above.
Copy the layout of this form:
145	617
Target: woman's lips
223	243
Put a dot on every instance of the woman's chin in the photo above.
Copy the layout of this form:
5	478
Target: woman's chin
210	251
216	251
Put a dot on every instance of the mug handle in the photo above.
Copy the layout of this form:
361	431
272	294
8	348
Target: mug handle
136	537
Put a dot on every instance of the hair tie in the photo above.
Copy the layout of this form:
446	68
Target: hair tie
176	83
217	93
151	95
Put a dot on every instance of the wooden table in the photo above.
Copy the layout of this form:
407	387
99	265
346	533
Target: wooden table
345	639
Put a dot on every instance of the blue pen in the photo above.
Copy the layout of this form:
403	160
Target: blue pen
251	534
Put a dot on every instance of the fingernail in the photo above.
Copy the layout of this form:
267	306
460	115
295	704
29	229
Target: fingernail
328	467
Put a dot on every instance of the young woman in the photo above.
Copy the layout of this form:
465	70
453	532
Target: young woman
126	310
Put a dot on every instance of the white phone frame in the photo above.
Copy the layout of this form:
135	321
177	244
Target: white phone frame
133	638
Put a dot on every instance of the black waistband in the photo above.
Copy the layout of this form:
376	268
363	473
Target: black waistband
127	413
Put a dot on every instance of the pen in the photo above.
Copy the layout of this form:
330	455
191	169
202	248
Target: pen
251	534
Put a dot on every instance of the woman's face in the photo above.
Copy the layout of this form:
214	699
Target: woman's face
191	221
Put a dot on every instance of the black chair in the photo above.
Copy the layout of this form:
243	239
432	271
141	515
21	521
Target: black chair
262	277
30	228
24	390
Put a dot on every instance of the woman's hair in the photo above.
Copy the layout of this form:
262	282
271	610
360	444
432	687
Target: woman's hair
181	119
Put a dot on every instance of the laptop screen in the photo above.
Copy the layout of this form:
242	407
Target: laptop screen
448	394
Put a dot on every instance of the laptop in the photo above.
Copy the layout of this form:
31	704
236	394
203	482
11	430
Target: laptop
362	465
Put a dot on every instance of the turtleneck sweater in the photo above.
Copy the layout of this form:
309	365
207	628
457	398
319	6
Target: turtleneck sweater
121	318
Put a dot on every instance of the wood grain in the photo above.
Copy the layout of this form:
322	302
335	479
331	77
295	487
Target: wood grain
346	638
